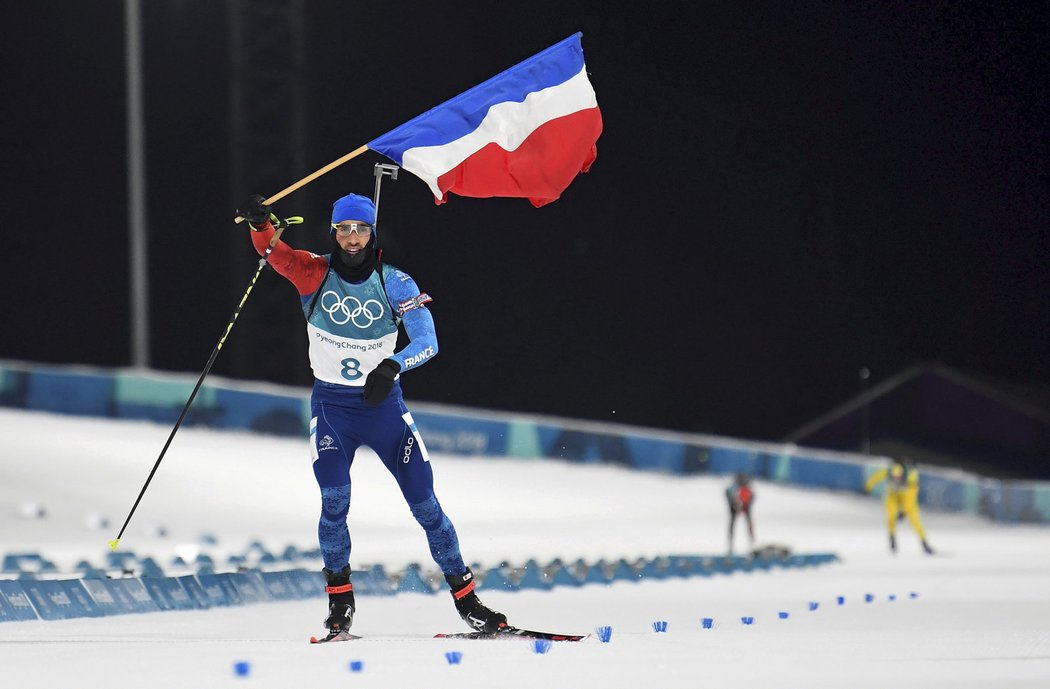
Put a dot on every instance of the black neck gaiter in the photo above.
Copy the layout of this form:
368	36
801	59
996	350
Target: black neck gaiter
354	268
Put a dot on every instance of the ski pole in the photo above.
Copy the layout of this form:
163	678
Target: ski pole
282	224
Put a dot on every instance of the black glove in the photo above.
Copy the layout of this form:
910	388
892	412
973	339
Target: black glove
380	381
254	211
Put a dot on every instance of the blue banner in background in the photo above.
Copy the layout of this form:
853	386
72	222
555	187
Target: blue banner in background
109	602
70	393
60	600
94	597
195	591
14	603
657	455
309	583
461	436
168	593
729	460
219	593
822	473
282	586
261	413
249	586
133	395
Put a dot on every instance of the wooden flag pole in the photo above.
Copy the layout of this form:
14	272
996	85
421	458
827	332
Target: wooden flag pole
311	177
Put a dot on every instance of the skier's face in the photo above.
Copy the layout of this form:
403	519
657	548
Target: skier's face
353	243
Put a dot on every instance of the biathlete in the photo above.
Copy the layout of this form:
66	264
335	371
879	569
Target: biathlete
740	496
354	304
901	498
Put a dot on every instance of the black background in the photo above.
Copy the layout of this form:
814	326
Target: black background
782	196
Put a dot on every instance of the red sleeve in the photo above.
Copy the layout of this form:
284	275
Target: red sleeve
304	269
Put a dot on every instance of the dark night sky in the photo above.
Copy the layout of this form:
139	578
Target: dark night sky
782	196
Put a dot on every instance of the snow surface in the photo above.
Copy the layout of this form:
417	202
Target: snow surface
981	617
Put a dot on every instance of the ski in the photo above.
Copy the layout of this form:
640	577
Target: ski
515	632
334	636
505	633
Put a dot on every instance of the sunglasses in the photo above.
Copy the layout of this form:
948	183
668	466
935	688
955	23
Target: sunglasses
345	229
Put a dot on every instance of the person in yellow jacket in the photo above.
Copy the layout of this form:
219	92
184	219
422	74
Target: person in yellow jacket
902	498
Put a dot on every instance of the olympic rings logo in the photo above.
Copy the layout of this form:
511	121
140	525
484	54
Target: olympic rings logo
342	311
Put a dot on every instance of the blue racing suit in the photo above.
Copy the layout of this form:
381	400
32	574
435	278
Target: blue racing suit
352	328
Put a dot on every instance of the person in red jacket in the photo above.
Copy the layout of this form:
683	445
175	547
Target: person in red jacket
354	306
740	496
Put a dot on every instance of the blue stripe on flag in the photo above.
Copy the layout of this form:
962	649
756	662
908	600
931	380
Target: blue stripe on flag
463	114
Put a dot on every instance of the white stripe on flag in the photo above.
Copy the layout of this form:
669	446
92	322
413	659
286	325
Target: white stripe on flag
507	124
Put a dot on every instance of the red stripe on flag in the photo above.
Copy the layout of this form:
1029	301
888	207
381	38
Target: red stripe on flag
539	169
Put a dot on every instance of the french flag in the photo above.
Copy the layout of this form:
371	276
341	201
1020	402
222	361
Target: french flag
526	132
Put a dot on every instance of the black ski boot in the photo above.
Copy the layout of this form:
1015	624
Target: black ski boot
340	600
926	548
893	544
473	611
